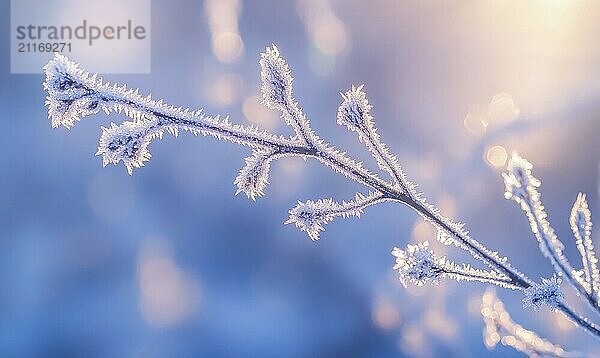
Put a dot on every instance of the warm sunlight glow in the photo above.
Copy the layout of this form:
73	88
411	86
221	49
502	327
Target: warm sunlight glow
227	44
167	295
227	89
385	314
496	156
258	114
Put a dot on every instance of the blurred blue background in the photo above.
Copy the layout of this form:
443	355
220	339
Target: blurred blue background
169	262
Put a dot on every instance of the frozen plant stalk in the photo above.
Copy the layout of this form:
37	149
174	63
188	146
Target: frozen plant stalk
74	94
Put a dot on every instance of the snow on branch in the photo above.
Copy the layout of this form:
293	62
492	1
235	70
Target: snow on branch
545	293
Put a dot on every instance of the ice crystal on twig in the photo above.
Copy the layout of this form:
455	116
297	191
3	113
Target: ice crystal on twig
354	112
128	143
254	176
68	99
74	94
500	328
276	79
547	292
417	264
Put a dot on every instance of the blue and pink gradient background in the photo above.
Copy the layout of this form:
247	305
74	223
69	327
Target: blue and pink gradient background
170	263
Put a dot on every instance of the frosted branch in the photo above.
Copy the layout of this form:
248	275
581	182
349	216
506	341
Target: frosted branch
74	94
450	232
522	187
312	216
581	225
419	265
355	113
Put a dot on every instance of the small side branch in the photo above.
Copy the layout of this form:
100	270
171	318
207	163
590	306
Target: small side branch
419	265
312	216
355	113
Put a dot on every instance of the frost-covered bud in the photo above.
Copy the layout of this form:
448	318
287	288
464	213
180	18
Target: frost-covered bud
69	98
355	110
311	216
417	264
276	79
127	142
518	178
254	176
545	293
